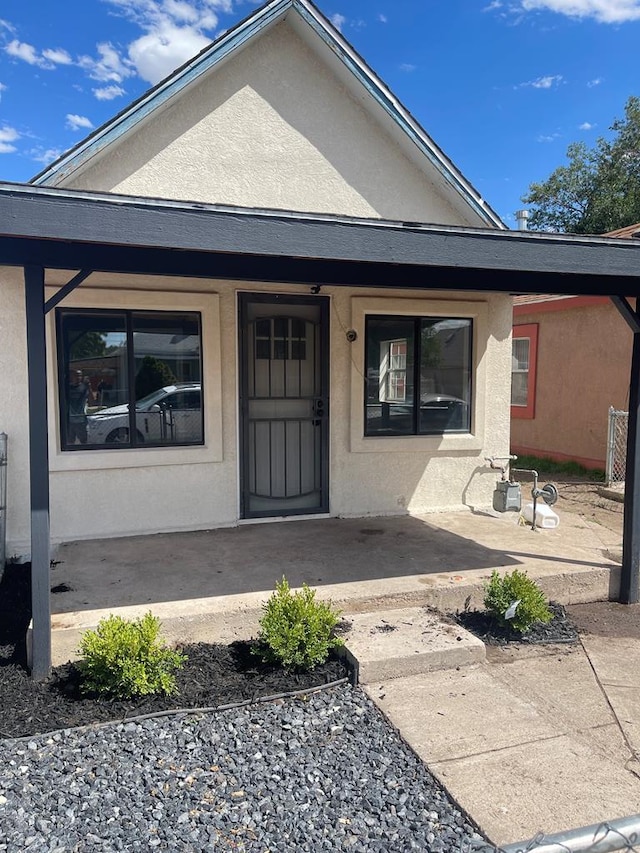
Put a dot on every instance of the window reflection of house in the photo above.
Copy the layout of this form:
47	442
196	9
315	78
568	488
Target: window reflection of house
124	356
427	354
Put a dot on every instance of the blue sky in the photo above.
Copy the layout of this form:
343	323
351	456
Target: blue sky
503	86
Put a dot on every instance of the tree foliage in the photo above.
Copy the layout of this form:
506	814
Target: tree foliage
88	345
598	190
153	374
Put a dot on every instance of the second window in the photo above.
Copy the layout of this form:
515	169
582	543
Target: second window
418	375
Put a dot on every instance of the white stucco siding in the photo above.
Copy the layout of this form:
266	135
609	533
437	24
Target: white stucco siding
98	493
390	475
14	406
124	492
273	127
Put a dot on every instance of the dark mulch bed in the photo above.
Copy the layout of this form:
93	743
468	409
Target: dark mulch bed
214	675
560	630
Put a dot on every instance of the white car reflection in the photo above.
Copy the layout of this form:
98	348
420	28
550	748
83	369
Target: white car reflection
171	414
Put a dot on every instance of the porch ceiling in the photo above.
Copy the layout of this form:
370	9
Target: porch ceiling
65	229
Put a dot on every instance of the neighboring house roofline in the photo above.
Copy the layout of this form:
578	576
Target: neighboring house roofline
262	19
557	302
627	231
540	304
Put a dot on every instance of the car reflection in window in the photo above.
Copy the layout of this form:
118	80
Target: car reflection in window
171	415
443	413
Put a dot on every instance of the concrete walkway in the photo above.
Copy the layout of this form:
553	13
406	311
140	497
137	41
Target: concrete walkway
532	739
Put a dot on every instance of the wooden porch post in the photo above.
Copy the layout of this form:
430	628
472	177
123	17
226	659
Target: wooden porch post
38	472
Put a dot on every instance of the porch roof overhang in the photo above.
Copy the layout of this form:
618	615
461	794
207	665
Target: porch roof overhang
67	229
43	228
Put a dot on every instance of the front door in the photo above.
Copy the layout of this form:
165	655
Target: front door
284	405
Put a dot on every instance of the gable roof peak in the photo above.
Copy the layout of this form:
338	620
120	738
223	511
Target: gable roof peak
230	42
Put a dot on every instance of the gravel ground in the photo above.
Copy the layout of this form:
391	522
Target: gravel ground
322	772
213	676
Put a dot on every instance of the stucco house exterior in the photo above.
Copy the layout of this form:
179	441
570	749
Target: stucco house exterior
303	400
571	362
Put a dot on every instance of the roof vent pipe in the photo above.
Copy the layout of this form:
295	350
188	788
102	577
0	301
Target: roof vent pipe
522	216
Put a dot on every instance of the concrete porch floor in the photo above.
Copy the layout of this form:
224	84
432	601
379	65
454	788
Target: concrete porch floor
361	564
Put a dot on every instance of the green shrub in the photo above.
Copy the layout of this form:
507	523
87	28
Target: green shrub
296	630
502	592
123	659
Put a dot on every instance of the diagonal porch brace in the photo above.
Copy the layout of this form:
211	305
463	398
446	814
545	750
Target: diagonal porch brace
68	288
631	316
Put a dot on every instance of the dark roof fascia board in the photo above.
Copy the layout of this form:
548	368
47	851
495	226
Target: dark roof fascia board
131	260
76	217
231	41
162	92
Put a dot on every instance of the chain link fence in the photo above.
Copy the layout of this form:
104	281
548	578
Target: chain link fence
612	836
617	446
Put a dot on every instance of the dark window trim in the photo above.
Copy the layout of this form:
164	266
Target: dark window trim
62	370
417	319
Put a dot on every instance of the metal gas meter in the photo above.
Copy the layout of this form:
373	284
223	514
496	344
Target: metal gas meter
507	495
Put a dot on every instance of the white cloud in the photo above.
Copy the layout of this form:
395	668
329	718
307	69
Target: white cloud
5	25
108	93
546	82
550	137
75	122
8	135
338	21
45	155
48	59
408	67
603	11
157	54
108	67
595	82
181	11
3	88
382	18
24	51
57	56
495	4
173	32
586	125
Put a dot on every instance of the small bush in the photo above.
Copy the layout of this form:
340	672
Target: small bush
123	659
296	630
502	592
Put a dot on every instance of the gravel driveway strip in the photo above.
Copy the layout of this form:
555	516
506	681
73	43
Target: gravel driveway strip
321	772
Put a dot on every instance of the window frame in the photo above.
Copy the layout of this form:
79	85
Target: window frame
358	306
129	315
417	320
527	331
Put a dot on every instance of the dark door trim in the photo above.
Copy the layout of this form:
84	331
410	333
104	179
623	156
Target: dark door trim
283	299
